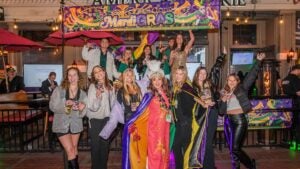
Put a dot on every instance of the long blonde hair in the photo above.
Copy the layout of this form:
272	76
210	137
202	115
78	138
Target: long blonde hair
135	89
174	81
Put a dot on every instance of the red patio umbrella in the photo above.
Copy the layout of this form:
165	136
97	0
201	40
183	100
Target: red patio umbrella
14	43
80	38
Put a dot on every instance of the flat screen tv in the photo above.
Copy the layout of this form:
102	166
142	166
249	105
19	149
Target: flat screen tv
35	74
242	58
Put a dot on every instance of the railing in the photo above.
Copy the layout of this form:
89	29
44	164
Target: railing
29	130
261	136
21	129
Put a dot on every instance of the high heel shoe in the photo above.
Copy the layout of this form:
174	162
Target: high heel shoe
195	164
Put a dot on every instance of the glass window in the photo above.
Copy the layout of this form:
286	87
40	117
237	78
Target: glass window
195	59
35	35
244	34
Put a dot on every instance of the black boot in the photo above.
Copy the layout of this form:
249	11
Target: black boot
253	164
235	160
73	164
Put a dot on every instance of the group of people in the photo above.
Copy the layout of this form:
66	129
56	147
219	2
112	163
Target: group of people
164	112
160	116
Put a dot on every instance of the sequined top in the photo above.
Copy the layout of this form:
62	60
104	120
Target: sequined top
180	59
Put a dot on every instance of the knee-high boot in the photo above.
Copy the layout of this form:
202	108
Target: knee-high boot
73	164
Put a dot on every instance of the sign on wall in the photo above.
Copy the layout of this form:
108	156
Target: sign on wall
179	15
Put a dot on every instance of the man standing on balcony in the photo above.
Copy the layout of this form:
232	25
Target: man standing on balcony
100	56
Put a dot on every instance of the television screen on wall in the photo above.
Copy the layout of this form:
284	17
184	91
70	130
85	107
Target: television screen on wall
242	58
35	74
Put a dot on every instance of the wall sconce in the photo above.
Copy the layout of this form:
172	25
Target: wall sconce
227	13
55	27
290	55
15	24
59	15
53	24
281	21
74	64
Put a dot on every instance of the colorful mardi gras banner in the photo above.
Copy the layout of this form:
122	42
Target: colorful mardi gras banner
175	15
265	118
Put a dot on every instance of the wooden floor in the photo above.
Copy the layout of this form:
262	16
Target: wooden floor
275	158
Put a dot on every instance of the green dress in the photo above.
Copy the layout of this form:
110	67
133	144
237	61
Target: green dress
122	67
165	65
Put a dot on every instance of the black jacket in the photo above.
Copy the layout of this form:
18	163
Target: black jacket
291	85
241	91
185	104
45	87
15	85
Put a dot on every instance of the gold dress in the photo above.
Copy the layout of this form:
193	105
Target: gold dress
180	58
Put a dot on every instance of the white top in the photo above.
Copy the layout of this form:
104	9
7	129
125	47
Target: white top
99	108
93	58
233	103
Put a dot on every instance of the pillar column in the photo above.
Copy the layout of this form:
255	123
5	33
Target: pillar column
286	38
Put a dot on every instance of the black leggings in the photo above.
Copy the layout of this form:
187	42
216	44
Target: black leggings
99	147
181	141
235	127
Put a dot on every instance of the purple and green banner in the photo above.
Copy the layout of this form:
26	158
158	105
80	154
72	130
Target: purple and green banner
271	118
264	117
175	15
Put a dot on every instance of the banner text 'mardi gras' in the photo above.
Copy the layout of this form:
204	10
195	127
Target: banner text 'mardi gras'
141	20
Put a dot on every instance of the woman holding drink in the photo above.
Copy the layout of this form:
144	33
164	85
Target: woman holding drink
207	117
236	104
68	102
101	97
